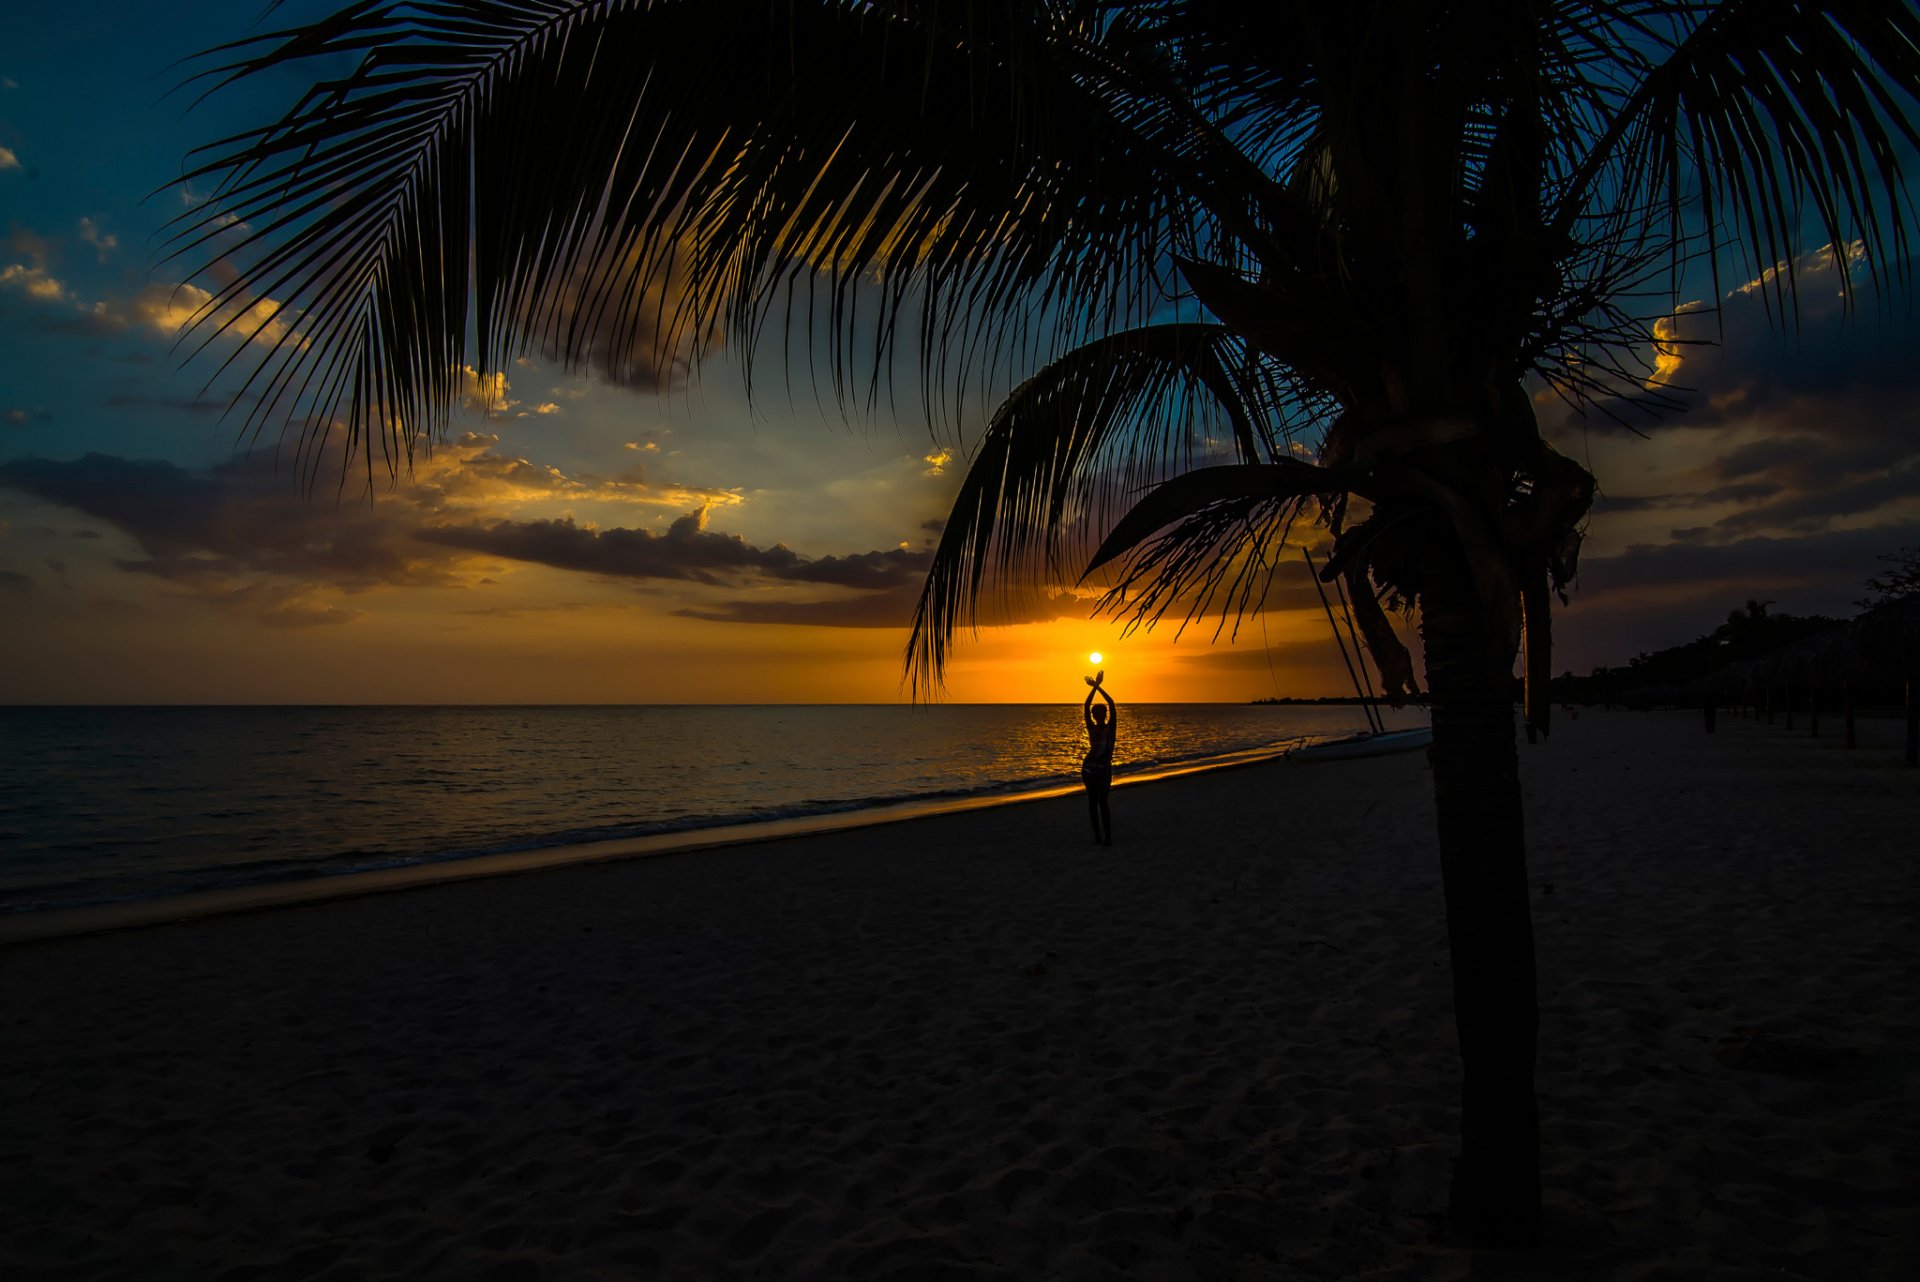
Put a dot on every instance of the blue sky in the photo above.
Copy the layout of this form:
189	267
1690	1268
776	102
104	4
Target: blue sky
585	541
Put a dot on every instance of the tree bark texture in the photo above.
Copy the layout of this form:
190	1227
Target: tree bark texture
1495	1200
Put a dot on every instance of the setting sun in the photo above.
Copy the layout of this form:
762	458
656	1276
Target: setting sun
1095	657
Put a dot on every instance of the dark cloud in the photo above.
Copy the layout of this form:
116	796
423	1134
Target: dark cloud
1834	563
869	571
1632	502
1853	371
1814	508
15	581
1763	456
1741	493
207	527
687	551
240	533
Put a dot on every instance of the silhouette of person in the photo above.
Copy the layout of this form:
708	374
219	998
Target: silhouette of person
1096	772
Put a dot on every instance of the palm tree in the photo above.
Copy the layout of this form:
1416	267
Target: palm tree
1337	239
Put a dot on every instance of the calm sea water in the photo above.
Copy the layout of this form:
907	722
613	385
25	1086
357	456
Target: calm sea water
100	804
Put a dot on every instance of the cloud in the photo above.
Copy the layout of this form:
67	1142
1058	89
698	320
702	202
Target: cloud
937	462
33	281
1739	493
162	309
470	473
484	393
687	551
14	581
19	417
626	339
868	571
103	244
8	160
1739	363
213	530
169	309
238	535
1836	561
1817	506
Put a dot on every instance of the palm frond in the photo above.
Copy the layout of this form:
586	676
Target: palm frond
1784	119
1191	493
1220	558
1069	447
500	173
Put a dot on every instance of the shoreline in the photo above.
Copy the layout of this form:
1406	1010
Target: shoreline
29	926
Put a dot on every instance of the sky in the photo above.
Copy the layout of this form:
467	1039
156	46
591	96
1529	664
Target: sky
593	536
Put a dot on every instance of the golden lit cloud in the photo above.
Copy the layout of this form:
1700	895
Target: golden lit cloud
1822	259
484	393
169	309
34	281
8	160
1666	352
469	474
937	462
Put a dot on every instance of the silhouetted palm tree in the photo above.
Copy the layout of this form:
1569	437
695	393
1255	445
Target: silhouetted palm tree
1336	237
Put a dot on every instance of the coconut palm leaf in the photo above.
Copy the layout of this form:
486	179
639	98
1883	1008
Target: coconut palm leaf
1070	446
1784	118
1217	528
498	175
1234	485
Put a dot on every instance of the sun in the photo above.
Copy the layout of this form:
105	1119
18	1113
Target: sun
1095	657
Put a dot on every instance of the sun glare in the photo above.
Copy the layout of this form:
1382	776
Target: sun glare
1095	657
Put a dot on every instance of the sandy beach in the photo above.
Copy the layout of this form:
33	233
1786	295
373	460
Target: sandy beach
976	1046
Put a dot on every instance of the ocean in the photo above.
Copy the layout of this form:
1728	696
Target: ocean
99	805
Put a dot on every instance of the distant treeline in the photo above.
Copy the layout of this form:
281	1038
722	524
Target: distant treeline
1747	634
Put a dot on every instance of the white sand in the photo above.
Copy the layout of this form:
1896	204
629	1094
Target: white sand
976	1046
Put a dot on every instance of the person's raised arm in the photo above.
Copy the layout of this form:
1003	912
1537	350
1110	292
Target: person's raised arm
1086	709
1113	709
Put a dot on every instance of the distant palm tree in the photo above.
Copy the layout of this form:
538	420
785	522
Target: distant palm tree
1333	238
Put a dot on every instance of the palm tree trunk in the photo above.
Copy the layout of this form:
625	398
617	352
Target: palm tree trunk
1495	1200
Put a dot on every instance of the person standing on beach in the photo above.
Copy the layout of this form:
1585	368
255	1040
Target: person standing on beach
1096	772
